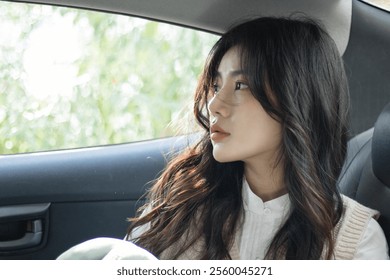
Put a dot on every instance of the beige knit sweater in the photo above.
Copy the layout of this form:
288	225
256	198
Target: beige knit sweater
348	232
350	229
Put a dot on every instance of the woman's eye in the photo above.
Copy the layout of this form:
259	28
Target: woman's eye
241	85
215	88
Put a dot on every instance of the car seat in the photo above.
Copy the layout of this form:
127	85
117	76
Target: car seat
366	173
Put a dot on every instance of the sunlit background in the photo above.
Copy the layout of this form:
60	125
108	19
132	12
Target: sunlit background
71	78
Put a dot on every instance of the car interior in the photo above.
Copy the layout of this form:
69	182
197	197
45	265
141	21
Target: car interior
54	200
366	172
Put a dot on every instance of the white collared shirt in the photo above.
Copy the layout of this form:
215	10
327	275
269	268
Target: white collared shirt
263	219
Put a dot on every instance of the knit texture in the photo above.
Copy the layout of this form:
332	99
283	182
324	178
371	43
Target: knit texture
351	228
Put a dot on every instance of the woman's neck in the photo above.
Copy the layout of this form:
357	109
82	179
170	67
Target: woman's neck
265	180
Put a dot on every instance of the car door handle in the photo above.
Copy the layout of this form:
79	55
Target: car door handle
32	237
22	226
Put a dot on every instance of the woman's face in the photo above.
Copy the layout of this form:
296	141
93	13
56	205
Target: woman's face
240	129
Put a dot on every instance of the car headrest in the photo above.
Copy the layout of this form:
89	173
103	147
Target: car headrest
381	147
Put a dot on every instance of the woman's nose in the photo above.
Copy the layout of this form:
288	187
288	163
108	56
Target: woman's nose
217	105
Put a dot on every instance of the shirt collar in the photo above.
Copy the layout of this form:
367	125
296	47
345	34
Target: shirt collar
255	204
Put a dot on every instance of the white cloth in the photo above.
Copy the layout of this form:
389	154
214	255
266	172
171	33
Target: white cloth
263	219
373	245
105	248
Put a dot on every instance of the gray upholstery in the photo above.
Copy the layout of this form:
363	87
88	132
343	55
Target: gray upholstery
366	174
218	15
381	147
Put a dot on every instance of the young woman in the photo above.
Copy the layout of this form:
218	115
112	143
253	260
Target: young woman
261	183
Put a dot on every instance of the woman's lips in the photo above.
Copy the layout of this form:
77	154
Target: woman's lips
217	134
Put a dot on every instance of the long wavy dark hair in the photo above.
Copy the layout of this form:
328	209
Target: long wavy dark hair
299	63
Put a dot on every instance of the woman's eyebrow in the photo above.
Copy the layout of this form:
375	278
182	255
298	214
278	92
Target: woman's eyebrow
233	73
237	73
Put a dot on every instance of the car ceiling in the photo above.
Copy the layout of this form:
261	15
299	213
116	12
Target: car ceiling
218	15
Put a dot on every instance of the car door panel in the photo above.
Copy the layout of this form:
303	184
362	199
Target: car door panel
70	196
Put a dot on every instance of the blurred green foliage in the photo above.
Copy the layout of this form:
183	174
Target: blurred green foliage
119	80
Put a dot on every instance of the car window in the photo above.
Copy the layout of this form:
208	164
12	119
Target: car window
73	78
